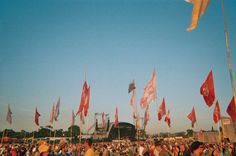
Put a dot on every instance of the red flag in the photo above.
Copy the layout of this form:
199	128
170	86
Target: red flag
36	117
83	98
150	93
73	118
162	110
146	116
207	90
57	111
192	117
231	110
52	114
216	114
116	118
9	115
103	120
167	118
86	102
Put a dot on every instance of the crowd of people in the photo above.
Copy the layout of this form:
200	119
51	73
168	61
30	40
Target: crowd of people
120	148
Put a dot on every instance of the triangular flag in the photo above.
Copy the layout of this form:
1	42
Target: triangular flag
192	117
231	110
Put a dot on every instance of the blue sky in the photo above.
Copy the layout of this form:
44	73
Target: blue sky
47	46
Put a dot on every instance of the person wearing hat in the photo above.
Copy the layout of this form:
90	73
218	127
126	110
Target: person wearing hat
196	148
63	146
43	149
88	148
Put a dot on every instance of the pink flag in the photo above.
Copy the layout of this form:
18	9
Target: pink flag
150	93
57	109
103	120
138	122
133	104
52	114
116	118
192	117
36	117
9	115
162	110
146	116
167	118
84	99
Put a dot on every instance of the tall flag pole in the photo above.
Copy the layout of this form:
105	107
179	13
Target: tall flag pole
207	90
133	102
103	120
192	117
116	122
36	117
56	115
150	92
228	53
199	8
72	124
52	118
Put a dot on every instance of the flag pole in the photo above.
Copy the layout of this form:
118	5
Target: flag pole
228	52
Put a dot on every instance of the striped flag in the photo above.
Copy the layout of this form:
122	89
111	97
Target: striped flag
150	93
9	115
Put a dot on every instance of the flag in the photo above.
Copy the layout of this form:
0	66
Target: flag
52	114
73	118
199	8
57	111
83	98
146	116
231	110
116	118
138	122
167	118
9	115
207	90
131	87
86	102
36	117
192	117
216	114
150	93
162	110
133	104
103	120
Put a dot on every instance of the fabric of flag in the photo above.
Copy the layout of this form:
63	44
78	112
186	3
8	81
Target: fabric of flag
231	110
150	93
199	8
216	114
146	116
138	122
73	118
103	120
82	118
9	115
207	90
161	110
52	114
116	118
57	109
167	118
131	87
133	104
192	117
36	117
86	102
83	98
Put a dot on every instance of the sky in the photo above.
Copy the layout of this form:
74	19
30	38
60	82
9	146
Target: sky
49	47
